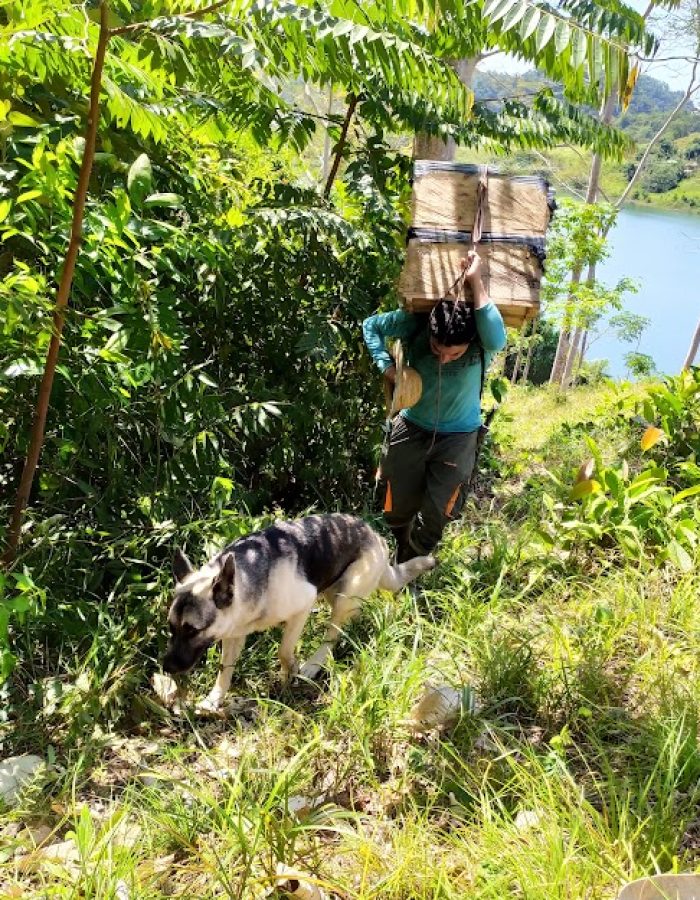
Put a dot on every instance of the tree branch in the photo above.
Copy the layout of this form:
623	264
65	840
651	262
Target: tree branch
690	90
556	177
665	59
353	100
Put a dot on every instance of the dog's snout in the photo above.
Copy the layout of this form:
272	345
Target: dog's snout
169	665
180	658
175	664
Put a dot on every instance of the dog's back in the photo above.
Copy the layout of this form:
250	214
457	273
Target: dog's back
322	548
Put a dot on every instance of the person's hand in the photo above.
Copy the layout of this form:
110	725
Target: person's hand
390	373
472	266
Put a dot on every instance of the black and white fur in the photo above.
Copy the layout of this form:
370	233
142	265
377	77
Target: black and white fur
275	576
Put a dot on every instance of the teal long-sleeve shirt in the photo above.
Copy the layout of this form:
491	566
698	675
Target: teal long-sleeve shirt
451	400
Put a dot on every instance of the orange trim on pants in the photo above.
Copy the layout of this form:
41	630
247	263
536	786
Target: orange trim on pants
453	499
388	499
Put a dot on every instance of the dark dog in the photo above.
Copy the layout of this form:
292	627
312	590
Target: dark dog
275	576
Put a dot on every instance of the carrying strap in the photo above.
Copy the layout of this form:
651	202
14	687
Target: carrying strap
481	191
477	229
481	199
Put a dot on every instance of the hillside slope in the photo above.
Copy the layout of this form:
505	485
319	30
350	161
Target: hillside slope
577	771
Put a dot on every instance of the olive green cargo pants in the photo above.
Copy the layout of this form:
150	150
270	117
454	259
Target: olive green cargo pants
425	478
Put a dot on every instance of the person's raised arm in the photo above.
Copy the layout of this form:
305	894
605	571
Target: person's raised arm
489	321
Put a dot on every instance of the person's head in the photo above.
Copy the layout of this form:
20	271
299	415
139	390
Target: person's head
452	328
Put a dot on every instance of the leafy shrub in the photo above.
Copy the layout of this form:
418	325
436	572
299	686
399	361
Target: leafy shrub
639	365
651	513
212	368
663	176
674	405
692	151
594	371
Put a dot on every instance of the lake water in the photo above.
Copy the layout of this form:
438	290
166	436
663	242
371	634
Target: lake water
661	251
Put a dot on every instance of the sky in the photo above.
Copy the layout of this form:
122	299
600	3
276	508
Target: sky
676	74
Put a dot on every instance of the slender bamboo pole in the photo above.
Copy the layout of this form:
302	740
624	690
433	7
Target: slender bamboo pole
62	295
530	349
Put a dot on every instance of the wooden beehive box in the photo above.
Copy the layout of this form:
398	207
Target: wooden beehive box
516	215
512	270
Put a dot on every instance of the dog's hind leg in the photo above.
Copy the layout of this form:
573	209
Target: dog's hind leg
230	651
290	638
344	609
396	577
358	582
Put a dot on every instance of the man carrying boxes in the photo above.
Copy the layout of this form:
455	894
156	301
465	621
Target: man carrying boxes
432	446
450	329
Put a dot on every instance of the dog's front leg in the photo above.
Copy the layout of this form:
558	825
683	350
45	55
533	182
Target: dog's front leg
230	651
292	632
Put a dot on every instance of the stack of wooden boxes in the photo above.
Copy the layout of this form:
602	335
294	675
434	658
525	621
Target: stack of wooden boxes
515	216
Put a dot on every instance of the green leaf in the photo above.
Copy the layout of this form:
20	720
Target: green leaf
168	200
613	484
515	14
545	31
530	22
595	59
687	531
139	178
688	492
561	37
5	207
680	557
578	48
20	120
29	195
498	9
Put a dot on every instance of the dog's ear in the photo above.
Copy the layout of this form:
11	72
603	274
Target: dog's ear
222	590
181	565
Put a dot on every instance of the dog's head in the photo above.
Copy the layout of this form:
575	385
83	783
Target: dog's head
197	612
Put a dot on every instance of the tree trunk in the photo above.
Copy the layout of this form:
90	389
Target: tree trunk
519	354
568	341
530	350
572	356
693	349
62	295
562	354
579	331
428	146
581	356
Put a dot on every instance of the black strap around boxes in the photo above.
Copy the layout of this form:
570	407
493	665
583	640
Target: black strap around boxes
533	242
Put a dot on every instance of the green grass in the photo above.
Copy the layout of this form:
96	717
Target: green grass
580	770
686	196
534	414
